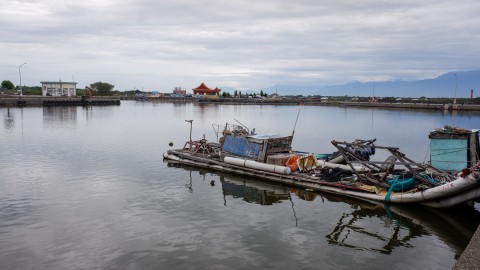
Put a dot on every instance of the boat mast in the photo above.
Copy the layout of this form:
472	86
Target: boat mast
293	132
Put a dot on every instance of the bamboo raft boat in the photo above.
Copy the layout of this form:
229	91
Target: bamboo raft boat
349	171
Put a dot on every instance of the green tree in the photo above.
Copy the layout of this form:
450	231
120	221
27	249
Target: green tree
7	85
102	88
235	93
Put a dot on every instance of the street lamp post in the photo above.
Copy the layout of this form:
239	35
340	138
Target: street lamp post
456	86
373	90
20	73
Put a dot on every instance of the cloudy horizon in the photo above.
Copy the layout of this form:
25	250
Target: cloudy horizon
152	45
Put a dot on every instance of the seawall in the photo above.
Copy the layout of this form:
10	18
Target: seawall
26	101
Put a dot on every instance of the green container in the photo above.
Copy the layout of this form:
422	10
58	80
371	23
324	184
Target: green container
453	149
449	154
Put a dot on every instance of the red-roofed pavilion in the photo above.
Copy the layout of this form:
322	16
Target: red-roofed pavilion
202	89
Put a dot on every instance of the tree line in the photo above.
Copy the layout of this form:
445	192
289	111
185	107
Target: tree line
100	89
237	93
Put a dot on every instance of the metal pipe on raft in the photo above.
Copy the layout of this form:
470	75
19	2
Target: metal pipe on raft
325	164
257	165
171	157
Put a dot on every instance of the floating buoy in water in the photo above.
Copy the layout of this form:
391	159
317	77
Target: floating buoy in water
171	144
212	183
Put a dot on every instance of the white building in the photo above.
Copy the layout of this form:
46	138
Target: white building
57	89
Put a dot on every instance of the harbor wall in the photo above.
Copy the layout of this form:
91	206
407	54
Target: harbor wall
12	101
386	105
24	101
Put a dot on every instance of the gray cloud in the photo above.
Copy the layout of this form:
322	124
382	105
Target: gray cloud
238	43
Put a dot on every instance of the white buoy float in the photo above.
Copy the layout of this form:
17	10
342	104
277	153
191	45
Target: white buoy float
257	165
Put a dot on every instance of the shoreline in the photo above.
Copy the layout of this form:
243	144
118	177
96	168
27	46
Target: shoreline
385	105
13	101
309	102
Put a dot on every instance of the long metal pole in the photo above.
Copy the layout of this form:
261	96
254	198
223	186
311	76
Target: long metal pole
293	132
20	73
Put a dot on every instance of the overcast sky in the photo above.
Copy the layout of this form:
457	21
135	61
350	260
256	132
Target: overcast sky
157	45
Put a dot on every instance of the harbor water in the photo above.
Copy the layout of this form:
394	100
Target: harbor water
87	188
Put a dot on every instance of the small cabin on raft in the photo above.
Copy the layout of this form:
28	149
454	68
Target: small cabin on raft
453	149
239	141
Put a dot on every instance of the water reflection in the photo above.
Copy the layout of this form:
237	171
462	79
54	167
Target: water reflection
9	120
189	185
88	113
179	109
369	226
253	191
60	116
386	231
202	111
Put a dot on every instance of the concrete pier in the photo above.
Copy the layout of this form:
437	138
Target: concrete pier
470	258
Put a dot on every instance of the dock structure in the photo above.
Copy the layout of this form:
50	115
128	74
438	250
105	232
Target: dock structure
25	101
469	259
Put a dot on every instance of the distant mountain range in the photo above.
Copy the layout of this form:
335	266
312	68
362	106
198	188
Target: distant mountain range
442	86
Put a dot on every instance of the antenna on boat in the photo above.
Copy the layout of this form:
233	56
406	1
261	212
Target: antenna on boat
190	121
293	132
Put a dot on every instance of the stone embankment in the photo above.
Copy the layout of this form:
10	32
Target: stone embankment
27	101
384	105
469	259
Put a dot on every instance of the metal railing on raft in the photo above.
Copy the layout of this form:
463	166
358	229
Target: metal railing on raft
379	170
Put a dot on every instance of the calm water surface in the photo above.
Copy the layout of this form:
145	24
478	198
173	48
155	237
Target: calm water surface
88	189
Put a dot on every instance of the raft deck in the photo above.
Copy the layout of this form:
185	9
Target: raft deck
295	179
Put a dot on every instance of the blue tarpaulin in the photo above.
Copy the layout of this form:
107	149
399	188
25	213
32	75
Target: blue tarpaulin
241	146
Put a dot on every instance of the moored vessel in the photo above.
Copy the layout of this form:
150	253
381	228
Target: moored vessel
350	171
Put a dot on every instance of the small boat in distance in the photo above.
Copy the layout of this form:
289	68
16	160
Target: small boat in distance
349	171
